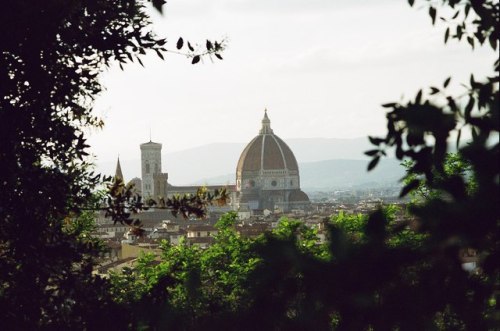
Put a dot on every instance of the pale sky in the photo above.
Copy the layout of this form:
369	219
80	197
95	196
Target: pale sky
321	67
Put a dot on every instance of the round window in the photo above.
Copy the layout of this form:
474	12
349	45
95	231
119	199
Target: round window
274	183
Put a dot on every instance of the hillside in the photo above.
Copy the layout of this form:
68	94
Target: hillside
334	174
214	161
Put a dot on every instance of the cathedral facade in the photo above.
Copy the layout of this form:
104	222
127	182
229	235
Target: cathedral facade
267	174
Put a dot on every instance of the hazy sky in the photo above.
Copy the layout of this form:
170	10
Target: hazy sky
321	67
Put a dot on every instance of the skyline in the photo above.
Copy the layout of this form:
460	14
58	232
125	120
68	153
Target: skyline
321	70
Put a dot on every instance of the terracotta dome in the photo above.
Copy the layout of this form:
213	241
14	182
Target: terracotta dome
267	152
267	174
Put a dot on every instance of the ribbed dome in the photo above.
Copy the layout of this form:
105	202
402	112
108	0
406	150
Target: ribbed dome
267	152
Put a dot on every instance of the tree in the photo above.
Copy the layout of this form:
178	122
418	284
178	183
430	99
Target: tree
190	288
454	166
380	277
50	59
456	216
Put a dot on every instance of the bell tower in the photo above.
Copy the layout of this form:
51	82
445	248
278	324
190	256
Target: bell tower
150	166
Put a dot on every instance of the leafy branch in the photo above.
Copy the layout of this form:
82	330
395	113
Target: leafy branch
121	203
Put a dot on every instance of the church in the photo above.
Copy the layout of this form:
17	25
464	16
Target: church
267	175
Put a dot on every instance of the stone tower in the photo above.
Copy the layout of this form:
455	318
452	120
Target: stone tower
150	166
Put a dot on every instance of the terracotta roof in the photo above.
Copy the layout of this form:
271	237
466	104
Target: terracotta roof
267	151
200	227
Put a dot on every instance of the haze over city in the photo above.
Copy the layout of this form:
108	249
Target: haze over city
321	68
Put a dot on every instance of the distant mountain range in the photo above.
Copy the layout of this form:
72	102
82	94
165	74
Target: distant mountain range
324	163
335	174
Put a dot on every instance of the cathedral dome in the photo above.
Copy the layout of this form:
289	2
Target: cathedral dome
267	152
267	174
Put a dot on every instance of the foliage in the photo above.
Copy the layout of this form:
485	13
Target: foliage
190	286
121	203
458	213
399	232
454	166
50	57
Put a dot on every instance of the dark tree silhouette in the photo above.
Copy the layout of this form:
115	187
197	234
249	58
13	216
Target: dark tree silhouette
51	53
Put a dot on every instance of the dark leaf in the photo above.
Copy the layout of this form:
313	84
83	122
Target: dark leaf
373	163
158	4
446	82
160	54
470	40
469	107
419	97
493	41
475	134
372	152
409	187
432	14
196	59
389	105
140	62
180	43
218	56
209	45
467	9
375	141
446	35
460	32
190	47
473	83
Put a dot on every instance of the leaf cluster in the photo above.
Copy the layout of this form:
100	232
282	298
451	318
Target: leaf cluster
121	203
50	57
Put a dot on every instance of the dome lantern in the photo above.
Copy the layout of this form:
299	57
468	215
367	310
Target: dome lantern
266	124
